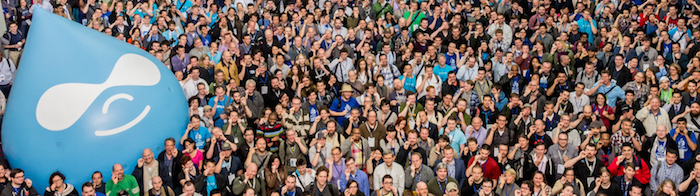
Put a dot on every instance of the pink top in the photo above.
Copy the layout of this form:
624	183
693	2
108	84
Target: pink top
198	156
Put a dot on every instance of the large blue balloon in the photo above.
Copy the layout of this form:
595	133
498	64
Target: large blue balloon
83	101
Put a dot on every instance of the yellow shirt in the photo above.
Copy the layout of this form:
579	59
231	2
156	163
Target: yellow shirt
231	72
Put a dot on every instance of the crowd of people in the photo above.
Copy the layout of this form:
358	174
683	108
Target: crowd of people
404	97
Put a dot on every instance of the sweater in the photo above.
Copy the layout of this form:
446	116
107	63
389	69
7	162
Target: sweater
438	189
128	184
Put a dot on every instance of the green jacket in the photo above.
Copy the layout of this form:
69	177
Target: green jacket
410	113
128	184
380	9
235	132
434	187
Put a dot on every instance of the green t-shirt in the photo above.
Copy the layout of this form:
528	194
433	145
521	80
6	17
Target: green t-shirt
414	21
128	184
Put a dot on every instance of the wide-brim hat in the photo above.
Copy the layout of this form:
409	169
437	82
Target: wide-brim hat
346	88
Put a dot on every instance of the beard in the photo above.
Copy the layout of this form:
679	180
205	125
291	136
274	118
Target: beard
694	114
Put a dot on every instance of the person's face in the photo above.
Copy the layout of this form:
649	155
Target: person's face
97	178
57	180
563	140
635	191
89	191
539	150
549	108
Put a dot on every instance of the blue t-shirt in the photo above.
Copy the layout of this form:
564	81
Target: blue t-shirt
185	7
614	94
409	84
211	183
442	71
684	151
457	138
585	27
452	60
344	106
220	104
200	136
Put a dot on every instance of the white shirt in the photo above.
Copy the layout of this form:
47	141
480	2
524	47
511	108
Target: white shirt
434	81
46	5
396	172
465	73
190	87
578	102
341	73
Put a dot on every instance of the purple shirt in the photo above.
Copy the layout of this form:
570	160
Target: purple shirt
338	170
180	65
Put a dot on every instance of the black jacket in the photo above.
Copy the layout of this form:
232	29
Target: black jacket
582	172
330	190
169	179
646	147
138	174
23	190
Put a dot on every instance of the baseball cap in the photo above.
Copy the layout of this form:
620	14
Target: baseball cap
596	124
625	108
206	108
320	135
226	146
452	186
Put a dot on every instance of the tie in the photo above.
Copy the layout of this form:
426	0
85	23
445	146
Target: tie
677	108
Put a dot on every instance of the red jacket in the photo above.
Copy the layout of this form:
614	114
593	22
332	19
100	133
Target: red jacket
643	174
491	169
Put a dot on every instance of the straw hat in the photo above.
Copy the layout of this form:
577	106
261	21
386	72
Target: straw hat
346	88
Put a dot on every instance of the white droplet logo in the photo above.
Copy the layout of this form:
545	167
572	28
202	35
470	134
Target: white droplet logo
63	104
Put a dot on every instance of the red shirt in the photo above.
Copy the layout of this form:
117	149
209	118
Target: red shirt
644	19
490	168
642	170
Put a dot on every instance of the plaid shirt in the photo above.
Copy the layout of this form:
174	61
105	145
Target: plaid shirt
472	100
388	72
503	45
617	139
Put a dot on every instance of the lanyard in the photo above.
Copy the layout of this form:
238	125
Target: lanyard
511	189
486	114
483	164
265	81
442	189
320	192
591	168
578	102
259	159
454	88
549	123
669	171
605	155
253	185
560	156
481	88
358	147
420	170
625	186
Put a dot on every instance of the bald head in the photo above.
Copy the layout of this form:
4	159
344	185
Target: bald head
147	156
117	167
422	185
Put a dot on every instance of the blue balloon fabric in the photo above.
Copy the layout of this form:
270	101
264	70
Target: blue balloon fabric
83	101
